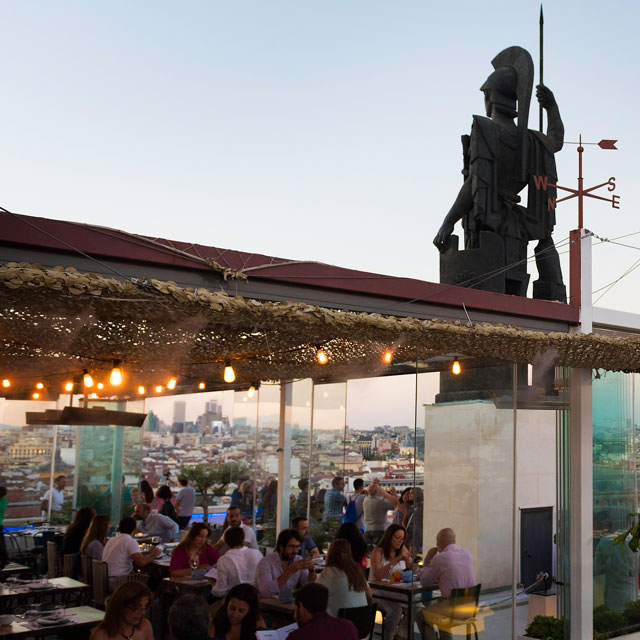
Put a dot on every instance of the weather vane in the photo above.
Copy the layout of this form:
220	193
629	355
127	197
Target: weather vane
542	182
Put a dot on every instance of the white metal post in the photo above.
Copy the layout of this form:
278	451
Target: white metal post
581	471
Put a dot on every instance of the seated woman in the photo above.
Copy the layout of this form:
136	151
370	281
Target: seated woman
344	579
194	547
237	565
359	552
238	618
76	530
96	537
389	556
125	614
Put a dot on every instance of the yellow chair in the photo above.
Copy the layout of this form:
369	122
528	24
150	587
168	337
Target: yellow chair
457	614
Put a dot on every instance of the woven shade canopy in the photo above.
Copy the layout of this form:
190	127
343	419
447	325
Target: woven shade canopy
56	322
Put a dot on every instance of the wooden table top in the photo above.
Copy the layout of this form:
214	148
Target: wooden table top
415	586
14	567
187	582
274	604
81	617
53	585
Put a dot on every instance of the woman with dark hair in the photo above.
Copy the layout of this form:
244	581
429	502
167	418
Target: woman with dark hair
76	530
389	557
269	500
96	537
164	496
146	493
359	551
194	548
344	579
405	507
239	617
124	618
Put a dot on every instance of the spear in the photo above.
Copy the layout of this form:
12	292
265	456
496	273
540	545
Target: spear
541	59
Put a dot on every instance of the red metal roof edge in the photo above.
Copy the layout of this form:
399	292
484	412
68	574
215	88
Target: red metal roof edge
99	241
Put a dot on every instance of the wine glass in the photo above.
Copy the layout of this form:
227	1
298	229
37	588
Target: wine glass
194	562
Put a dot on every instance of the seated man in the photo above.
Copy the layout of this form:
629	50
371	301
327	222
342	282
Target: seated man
237	565
189	618
449	567
313	620
155	524
234	519
309	547
122	552
284	568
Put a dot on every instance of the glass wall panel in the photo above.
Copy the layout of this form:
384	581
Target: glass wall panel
329	453
245	431
266	471
298	416
469	449
615	497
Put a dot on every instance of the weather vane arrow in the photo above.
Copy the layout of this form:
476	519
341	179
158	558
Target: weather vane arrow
542	183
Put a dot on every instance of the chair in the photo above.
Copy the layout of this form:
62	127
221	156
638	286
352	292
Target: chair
52	559
66	564
363	617
86	572
460	611
99	582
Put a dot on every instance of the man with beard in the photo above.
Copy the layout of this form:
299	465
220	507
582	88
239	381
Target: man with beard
279	573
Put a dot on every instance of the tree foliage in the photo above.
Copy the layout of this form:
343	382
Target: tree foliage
212	481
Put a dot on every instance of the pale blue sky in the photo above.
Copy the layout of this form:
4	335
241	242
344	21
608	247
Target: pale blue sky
311	130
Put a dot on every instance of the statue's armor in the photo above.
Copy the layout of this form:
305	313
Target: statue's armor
497	177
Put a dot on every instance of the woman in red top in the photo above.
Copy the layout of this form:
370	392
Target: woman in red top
194	546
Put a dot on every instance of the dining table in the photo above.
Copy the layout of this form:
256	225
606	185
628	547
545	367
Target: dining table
75	618
407	590
14	592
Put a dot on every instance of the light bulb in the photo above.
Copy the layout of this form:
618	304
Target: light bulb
172	383
68	387
321	356
251	392
39	385
387	357
158	389
6	383
202	385
87	379
35	395
456	368
115	379
229	373
93	396
141	390
100	385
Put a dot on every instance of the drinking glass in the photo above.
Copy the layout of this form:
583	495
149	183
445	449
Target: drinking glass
194	563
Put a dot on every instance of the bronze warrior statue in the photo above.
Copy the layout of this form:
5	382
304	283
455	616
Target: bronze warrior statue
500	159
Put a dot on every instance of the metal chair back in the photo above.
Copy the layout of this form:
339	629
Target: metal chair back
363	617
52	559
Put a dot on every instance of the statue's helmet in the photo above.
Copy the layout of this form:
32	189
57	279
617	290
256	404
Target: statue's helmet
502	89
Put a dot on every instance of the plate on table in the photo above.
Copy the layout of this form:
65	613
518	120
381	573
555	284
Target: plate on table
47	621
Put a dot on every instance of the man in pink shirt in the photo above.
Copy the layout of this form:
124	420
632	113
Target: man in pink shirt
449	567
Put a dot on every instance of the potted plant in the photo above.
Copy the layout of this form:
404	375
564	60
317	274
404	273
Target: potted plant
545	628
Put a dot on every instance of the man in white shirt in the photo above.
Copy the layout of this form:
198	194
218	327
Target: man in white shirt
237	565
122	552
56	495
185	502
155	524
234	519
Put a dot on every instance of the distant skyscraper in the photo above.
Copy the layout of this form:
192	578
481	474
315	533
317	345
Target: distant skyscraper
179	411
